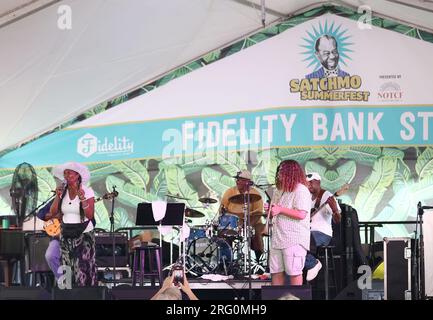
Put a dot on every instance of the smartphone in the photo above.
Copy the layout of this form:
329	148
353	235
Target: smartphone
178	275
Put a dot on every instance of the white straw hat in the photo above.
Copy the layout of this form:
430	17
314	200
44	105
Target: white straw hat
81	169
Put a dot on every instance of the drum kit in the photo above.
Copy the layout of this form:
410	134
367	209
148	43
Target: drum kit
220	245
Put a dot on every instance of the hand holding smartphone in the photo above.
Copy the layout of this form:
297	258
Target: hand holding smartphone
178	275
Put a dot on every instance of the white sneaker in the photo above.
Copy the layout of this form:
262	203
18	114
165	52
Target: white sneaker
312	273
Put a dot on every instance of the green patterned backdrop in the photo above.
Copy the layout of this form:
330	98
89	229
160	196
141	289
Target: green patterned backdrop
385	183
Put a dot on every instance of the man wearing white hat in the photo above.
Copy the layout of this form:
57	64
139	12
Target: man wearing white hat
324	209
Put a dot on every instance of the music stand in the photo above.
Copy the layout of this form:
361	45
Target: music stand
174	216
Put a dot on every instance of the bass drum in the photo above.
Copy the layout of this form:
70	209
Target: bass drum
208	255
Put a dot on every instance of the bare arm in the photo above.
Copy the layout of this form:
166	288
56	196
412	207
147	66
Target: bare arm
291	213
88	205
89	208
166	284
187	289
336	215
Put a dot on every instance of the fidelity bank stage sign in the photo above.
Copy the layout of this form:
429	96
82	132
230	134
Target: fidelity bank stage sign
283	127
303	127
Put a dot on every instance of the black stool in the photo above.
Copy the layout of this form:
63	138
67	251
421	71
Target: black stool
326	255
138	270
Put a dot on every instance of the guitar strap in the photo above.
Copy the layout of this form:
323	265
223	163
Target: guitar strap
319	199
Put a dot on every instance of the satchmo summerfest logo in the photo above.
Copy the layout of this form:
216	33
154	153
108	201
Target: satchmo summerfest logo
327	51
89	145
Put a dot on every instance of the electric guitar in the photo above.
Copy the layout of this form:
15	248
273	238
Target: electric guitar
53	226
339	192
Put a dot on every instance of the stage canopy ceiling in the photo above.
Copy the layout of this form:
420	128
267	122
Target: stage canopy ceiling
61	58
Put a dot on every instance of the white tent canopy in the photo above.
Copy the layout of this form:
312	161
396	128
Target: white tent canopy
49	75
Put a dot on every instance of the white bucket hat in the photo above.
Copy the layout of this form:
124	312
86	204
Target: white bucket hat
81	169
313	176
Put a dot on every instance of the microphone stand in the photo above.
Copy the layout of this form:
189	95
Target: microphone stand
268	248
112	236
247	224
421	293
415	257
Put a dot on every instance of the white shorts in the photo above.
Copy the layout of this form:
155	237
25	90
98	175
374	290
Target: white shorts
291	260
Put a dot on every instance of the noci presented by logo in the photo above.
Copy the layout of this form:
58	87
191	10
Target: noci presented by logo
89	145
390	91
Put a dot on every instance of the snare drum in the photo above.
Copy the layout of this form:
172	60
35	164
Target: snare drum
228	225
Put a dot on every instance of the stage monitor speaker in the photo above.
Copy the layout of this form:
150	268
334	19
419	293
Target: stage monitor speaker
351	292
104	249
125	292
80	293
37	245
286	292
24	293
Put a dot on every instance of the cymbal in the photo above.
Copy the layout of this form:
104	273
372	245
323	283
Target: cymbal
239	198
191	213
177	197
207	200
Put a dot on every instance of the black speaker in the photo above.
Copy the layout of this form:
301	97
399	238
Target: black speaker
11	242
104	249
280	292
397	263
80	293
37	245
24	293
132	293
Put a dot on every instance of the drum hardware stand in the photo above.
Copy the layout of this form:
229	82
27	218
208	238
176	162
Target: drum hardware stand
224	265
181	248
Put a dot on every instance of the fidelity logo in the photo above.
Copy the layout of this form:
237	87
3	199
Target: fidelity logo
89	145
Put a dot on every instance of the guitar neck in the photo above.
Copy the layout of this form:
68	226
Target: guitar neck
322	205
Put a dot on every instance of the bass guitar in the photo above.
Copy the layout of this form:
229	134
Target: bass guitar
342	190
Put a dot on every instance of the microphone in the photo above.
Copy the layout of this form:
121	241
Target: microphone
63	186
110	195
